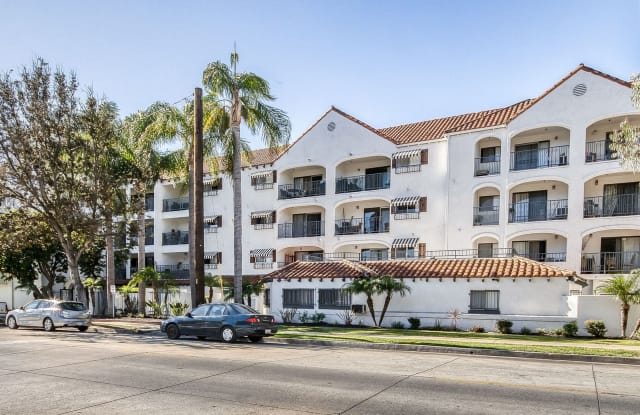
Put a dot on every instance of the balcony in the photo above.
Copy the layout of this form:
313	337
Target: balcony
486	215
301	230
148	240
173	205
290	191
263	265
618	205
598	151
178	272
409	168
355	226
533	211
610	262
486	167
540	158
373	181
175	238
469	253
548	257
406	215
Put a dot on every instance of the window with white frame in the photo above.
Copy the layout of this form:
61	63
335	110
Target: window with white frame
406	252
298	298
484	301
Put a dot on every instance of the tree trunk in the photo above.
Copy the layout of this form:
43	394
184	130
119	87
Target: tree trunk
196	199
76	282
237	199
210	294
111	262
624	316
387	300
142	287
371	310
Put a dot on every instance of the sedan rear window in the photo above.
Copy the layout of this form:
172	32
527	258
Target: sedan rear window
72	306
242	309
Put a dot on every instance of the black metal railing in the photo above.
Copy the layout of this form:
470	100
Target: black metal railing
547	256
470	253
486	167
331	256
486	215
410	168
610	262
290	191
532	211
598	151
172	205
175	238
618	205
210	192
259	226
179	272
541	158
371	181
291	230
355	226
406	215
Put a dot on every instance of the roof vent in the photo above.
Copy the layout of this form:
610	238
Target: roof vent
579	90
331	126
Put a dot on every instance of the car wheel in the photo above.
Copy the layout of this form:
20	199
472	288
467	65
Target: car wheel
173	332
48	325
12	323
228	334
201	337
83	328
255	339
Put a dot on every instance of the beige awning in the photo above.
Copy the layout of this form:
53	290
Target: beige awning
404	242
210	255
210	181
262	252
211	219
262	214
406	154
268	173
405	201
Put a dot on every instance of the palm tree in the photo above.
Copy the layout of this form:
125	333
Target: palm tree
212	282
143	277
249	288
626	289
368	287
91	284
245	96
389	286
125	291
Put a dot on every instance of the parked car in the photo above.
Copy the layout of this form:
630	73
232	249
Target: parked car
222	321
50	314
4	309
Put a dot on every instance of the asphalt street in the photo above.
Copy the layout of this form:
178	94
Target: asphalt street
67	372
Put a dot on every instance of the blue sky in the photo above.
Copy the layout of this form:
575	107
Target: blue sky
385	62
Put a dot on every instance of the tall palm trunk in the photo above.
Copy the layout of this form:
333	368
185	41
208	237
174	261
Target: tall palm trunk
624	316
371	310
142	287
111	262
387	300
237	199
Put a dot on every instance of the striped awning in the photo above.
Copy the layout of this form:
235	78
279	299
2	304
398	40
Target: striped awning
211	219
262	252
406	154
210	255
267	173
405	201
404	242
209	181
262	214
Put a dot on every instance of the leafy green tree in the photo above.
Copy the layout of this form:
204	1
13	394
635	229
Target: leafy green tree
144	277
627	291
249	287
245	97
28	249
211	282
626	141
368	287
389	286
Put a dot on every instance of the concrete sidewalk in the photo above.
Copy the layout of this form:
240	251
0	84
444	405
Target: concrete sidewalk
126	325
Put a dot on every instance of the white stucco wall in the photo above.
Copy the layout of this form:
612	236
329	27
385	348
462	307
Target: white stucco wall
601	307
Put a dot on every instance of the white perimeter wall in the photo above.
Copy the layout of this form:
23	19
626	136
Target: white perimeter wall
601	307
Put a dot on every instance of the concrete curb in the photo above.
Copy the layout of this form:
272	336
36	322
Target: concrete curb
461	350
108	328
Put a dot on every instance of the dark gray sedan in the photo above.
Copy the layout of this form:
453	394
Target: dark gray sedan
221	321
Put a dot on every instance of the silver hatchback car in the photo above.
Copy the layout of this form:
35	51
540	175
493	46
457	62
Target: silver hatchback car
50	314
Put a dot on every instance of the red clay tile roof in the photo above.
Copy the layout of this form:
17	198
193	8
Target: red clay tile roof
516	267
263	156
495	118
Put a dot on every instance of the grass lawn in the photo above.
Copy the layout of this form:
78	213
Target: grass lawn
513	342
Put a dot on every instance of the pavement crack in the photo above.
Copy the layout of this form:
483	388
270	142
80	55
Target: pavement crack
396	383
595	384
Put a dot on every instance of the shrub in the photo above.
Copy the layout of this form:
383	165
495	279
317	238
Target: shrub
525	330
288	315
477	329
437	325
178	309
570	329
542	332
346	316
504	326
304	317
414	323
596	328
156	307
397	325
317	318
455	315
558	332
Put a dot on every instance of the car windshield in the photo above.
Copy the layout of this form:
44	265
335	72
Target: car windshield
72	306
242	309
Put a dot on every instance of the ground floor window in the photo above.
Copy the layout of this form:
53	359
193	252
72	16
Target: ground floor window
333	298
298	298
486	301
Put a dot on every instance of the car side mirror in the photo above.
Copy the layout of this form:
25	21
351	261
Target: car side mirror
21	307
189	315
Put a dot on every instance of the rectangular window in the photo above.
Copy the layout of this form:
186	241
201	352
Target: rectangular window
485	250
298	298
333	298
380	254
489	155
267	297
486	301
408	252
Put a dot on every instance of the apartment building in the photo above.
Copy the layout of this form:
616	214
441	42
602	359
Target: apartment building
535	179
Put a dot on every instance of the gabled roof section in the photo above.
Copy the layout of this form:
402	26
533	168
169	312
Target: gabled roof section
494	118
515	267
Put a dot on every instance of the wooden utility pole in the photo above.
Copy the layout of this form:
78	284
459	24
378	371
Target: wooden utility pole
196	257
